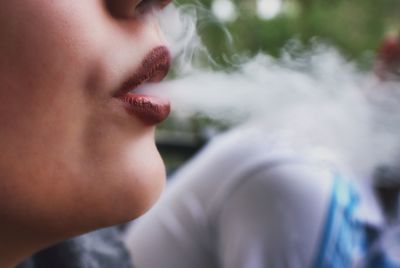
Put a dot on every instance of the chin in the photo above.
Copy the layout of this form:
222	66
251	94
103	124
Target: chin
145	192
135	187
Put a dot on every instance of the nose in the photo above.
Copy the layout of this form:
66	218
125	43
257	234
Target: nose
131	9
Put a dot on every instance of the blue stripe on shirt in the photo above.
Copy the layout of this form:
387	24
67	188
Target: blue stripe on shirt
345	239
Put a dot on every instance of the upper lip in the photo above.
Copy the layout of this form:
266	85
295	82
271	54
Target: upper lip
154	68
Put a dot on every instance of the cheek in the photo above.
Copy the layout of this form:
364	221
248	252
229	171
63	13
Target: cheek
45	58
36	64
43	68
56	69
52	42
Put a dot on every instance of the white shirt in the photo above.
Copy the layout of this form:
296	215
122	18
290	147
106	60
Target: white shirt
248	202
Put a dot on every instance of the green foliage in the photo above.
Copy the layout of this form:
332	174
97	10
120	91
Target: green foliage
353	26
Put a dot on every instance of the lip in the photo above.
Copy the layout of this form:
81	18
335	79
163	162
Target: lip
149	109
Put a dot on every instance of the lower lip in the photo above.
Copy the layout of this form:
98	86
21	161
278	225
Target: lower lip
150	110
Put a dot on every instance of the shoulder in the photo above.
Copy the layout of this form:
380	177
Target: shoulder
250	166
233	152
279	209
290	184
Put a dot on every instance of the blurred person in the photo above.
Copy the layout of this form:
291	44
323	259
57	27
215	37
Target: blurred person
387	185
76	145
387	178
387	64
253	200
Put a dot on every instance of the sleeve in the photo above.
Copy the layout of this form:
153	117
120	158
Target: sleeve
273	218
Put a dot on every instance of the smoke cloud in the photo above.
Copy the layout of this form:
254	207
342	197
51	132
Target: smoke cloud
315	98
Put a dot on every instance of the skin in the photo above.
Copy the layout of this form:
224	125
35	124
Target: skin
72	160
387	66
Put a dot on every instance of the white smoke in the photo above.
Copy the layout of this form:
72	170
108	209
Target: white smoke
316	98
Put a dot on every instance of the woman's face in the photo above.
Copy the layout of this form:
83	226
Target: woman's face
77	152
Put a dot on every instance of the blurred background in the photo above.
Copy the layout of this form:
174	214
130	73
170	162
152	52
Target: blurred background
244	28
